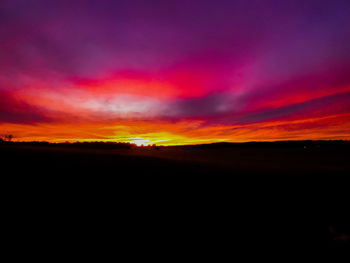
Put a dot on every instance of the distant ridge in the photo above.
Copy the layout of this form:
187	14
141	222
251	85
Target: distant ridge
252	144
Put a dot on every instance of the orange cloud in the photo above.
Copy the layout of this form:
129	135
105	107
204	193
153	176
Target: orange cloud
184	132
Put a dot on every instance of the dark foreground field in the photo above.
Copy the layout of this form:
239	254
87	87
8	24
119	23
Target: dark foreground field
256	195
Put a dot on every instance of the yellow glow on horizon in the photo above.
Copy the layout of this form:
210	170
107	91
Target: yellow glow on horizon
140	142
185	132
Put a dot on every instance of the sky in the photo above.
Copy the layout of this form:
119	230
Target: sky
176	71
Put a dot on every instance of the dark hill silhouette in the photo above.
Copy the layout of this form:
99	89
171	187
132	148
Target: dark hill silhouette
272	193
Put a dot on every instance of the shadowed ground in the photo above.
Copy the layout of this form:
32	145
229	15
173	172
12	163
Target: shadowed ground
260	194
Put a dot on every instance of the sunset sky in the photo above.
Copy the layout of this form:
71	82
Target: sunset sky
175	71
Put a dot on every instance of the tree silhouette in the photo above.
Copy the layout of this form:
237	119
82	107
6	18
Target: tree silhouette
7	137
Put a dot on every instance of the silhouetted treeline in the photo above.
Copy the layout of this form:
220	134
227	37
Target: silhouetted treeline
307	144
86	145
277	144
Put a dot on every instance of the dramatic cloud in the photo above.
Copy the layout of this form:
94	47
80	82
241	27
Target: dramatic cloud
175	72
